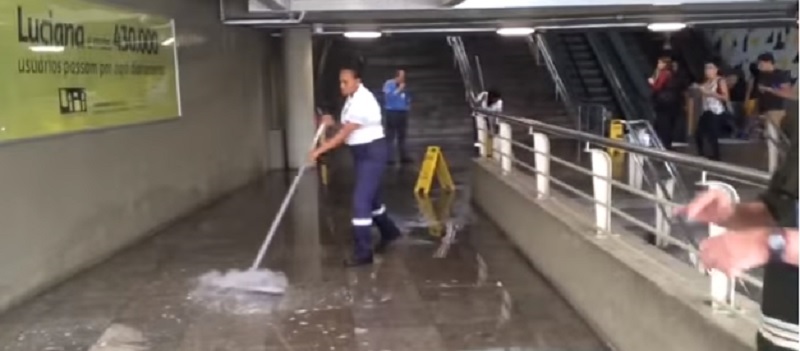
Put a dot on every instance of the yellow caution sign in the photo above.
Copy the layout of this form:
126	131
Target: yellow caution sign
616	132
436	215
434	164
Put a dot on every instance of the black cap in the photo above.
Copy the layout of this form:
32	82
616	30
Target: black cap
766	57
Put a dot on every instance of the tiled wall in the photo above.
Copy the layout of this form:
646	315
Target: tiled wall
740	47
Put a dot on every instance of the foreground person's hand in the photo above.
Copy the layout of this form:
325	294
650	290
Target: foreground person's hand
713	206
736	251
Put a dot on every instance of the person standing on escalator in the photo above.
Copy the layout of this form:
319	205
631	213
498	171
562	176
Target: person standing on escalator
665	101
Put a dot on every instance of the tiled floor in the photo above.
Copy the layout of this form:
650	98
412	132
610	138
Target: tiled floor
480	296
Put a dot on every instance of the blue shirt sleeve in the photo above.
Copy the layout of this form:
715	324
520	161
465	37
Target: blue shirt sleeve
389	87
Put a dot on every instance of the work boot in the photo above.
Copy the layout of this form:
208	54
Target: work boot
362	247
389	232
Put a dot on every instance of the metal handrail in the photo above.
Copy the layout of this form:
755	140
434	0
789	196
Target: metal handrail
480	72
690	248
703	164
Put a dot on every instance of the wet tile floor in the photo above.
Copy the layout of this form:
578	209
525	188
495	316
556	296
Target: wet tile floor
479	294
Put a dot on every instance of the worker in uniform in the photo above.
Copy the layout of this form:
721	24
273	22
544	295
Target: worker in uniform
361	129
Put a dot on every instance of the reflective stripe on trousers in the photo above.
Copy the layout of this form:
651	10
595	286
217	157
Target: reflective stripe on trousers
370	162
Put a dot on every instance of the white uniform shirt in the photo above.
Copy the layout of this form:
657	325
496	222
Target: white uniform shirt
497	106
363	109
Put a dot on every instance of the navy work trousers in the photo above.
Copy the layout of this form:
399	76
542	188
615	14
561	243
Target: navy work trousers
370	162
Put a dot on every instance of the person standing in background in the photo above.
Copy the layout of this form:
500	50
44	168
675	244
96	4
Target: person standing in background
665	101
774	87
738	90
680	82
492	101
751	96
396	103
715	97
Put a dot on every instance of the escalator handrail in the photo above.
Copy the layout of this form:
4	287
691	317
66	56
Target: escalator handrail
603	60
540	44
634	73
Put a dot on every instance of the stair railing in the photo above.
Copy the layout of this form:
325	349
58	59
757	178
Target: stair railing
479	69
465	69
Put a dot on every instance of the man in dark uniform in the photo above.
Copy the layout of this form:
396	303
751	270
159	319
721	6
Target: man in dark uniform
761	233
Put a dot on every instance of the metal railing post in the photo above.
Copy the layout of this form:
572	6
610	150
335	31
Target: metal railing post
635	173
483	136
541	144
723	288
773	149
505	147
601	170
663	226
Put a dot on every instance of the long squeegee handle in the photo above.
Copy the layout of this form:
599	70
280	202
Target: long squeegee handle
273	228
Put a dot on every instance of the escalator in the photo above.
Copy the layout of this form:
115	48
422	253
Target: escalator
622	67
578	66
691	49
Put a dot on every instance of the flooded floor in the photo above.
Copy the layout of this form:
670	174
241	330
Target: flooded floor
472	291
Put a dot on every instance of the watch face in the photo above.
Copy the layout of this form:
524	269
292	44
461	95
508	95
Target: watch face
777	242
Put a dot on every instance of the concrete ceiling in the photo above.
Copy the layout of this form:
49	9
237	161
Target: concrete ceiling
443	15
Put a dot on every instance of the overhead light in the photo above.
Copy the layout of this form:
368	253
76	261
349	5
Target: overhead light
47	48
362	35
666	27
169	41
515	31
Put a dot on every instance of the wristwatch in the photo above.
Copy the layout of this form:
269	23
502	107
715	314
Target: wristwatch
776	242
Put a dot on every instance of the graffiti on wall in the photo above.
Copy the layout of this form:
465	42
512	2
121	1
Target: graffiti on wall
741	47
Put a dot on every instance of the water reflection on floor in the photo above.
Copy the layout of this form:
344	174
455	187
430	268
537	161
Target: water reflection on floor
470	290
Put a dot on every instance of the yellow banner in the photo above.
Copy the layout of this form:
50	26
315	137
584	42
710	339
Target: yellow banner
71	65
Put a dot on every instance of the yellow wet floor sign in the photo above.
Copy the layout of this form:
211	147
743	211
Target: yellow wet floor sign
436	215
616	132
434	164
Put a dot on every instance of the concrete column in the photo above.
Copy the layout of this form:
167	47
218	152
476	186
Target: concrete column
305	235
300	128
299	84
